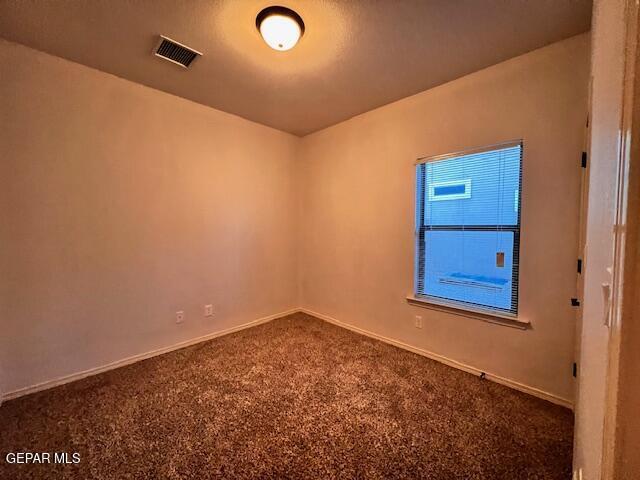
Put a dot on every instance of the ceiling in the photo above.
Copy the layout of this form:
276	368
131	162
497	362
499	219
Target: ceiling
353	57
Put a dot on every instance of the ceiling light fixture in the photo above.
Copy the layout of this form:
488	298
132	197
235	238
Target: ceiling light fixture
280	27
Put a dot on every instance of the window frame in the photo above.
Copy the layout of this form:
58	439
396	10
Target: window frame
423	195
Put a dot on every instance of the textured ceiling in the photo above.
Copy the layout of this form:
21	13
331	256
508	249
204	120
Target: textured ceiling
354	56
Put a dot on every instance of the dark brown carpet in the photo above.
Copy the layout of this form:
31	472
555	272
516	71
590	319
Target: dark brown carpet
294	398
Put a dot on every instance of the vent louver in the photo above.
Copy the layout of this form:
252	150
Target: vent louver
175	52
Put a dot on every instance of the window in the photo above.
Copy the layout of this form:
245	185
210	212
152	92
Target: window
468	229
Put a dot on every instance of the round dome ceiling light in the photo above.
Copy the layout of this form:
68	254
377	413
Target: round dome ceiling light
280	27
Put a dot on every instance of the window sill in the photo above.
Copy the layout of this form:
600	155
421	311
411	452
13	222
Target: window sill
479	314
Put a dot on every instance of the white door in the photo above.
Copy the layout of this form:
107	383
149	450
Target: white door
607	68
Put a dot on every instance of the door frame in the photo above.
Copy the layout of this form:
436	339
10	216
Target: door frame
625	182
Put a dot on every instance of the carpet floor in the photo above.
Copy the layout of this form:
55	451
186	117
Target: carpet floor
294	398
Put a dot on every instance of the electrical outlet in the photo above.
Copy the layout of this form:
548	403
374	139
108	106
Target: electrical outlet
179	316
208	310
418	321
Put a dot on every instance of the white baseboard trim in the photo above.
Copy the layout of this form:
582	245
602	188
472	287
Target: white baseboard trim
136	358
536	392
187	343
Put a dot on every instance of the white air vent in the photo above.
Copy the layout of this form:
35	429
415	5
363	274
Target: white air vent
175	52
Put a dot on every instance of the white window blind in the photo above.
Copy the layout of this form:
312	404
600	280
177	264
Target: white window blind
468	228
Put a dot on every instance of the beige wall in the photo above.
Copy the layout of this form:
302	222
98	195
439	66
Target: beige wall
121	205
357	212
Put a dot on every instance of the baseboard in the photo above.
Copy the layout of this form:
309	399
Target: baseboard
536	392
136	358
187	343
